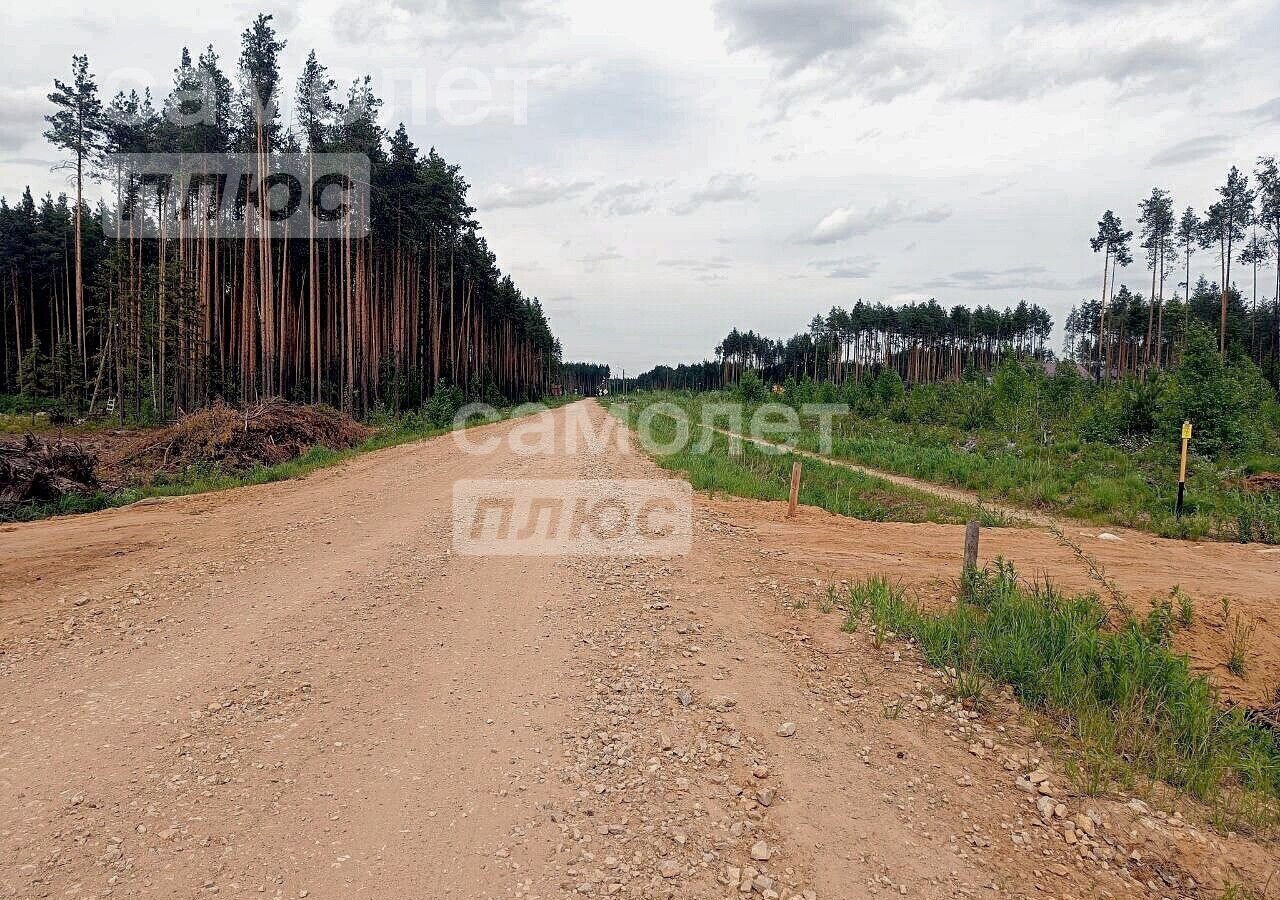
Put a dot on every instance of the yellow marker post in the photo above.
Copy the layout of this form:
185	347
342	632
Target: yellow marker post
1182	470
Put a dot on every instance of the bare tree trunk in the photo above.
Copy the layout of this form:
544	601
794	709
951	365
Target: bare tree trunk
80	264
1102	313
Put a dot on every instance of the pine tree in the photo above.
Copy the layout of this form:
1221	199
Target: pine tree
397	304
1113	241
76	126
1268	180
33	375
1226	220
1157	225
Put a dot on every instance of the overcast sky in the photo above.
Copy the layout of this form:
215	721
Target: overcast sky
658	172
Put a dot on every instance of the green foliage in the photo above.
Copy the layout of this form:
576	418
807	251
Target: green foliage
33	374
1222	401
750	387
1238	655
64	267
443	405
1106	452
888	388
1186	607
712	462
1104	420
1118	686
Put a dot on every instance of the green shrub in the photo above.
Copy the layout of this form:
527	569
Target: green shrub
443	405
1222	401
750	388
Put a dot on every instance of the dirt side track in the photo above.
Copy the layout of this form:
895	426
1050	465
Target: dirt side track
298	690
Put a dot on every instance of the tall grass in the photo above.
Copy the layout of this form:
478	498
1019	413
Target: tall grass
1132	704
1106	483
712	462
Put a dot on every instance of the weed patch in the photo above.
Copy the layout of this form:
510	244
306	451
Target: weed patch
1132	705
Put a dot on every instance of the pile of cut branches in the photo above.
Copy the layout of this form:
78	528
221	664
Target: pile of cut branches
39	470
238	440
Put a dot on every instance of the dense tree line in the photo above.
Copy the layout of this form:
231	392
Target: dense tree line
1127	332
168	323
700	376
587	379
921	342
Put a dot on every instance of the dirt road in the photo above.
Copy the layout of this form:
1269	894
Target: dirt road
300	690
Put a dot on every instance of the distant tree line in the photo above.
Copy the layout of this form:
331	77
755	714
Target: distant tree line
921	342
1126	332
586	379
166	324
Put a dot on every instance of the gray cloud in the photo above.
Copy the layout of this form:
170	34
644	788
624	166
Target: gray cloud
1075	10
1015	278
444	23
1152	66
828	49
1192	150
617	99
799	33
847	267
629	198
533	192
720	188
845	222
1269	111
592	261
707	271
713	264
999	188
22	112
616	109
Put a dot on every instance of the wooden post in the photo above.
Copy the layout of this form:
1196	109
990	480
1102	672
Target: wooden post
795	489
970	547
1182	470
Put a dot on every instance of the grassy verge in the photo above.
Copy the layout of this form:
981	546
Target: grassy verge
202	479
1131	705
1133	487
759	473
21	423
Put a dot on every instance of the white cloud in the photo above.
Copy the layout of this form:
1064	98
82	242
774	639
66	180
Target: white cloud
534	191
848	221
445	24
852	267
